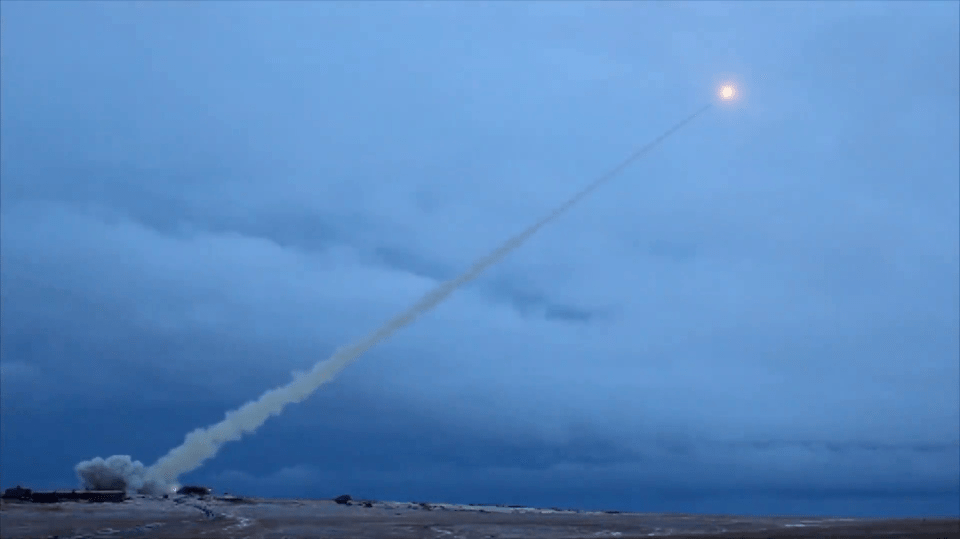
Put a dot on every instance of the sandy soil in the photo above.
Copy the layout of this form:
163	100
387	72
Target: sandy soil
193	518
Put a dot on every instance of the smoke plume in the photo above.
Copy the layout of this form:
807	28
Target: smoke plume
202	444
119	472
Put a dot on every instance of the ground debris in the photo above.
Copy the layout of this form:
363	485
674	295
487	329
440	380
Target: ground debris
194	490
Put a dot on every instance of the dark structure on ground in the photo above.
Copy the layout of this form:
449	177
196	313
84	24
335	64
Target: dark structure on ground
17	493
98	496
45	497
57	496
193	490
343	500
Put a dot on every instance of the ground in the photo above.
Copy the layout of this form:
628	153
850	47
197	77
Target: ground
213	518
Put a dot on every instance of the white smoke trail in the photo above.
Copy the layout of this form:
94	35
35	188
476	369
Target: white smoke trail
204	443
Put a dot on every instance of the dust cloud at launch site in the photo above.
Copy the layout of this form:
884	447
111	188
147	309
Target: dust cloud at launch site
122	472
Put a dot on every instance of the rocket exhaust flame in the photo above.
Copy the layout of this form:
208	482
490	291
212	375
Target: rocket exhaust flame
204	443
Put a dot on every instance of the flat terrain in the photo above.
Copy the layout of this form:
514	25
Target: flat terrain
213	518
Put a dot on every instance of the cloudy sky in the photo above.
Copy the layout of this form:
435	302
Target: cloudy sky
762	316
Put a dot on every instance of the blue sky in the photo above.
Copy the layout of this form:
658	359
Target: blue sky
762	316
